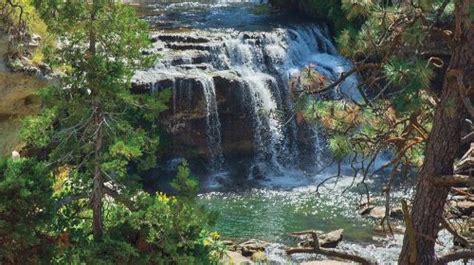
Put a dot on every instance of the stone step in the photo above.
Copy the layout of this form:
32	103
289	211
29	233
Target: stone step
179	38
193	57
202	66
188	46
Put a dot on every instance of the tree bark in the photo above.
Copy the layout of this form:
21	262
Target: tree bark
442	148
97	193
97	189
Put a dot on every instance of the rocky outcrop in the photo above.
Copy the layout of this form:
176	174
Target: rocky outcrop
378	212
251	247
248	252
327	240
18	99
235	258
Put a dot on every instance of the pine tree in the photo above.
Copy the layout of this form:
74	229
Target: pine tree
92	124
400	51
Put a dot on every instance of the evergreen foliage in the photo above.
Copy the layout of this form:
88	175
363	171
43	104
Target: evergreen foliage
80	200
26	203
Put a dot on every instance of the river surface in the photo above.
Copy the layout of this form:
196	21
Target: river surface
273	192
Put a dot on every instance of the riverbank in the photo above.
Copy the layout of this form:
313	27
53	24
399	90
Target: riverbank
271	214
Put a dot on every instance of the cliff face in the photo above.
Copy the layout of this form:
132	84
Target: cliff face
18	99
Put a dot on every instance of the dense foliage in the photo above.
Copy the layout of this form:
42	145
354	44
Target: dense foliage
79	198
26	214
392	54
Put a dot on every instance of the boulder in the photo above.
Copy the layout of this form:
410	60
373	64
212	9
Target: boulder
259	257
230	245
366	210
328	240
331	239
377	212
397	213
235	258
250	247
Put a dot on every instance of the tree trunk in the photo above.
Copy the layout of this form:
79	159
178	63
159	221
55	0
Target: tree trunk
97	193
97	190
441	150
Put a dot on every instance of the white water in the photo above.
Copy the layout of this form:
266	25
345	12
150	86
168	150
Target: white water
213	124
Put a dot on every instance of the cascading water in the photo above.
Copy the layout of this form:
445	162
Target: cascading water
260	61
213	124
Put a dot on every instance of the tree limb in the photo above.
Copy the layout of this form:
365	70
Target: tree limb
70	199
453	180
456	255
445	223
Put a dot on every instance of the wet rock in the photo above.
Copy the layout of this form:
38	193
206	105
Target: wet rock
397	213
186	46
259	257
179	38
377	212
328	240
252	246
230	245
235	258
203	66
331	239
366	210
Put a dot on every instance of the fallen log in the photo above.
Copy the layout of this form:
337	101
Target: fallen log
316	249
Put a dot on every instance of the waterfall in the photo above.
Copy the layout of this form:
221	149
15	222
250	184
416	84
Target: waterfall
213	124
257	66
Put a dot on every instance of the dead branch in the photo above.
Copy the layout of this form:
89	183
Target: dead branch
445	223
468	138
316	249
386	218
338	175
345	75
453	180
456	255
70	199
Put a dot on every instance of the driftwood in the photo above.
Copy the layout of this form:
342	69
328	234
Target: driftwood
316	249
